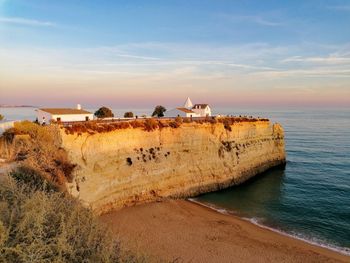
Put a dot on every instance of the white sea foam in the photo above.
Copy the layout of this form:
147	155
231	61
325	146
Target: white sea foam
257	222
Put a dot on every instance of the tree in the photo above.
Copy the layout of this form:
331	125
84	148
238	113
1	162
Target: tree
1	117
104	112
128	114
159	111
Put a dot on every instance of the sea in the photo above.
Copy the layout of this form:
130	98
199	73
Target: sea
310	198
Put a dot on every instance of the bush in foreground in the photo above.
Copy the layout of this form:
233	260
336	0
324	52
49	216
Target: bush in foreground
33	179
42	226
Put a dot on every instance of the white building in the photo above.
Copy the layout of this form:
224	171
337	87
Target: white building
190	110
180	112
202	110
45	115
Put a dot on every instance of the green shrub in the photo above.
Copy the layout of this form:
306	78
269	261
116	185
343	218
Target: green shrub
32	178
104	112
159	111
128	114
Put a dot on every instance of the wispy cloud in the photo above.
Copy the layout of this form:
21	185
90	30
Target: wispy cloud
137	57
247	63
312	72
25	22
257	19
340	7
318	60
261	21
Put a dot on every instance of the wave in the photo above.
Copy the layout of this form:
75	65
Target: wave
257	222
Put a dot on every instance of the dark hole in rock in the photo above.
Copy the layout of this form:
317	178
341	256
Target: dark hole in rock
129	161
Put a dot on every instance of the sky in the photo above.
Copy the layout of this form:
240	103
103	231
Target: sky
144	53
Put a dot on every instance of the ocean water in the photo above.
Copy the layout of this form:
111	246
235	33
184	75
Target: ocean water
310	198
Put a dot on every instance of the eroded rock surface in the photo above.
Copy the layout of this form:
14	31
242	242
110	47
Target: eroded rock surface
129	166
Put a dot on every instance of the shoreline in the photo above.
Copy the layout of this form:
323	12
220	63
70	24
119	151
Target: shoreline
341	250
187	231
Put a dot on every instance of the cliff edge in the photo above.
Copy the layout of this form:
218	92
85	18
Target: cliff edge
128	166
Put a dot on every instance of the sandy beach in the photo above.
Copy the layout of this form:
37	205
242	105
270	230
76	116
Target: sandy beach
183	231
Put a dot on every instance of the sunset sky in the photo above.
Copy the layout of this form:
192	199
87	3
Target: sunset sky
142	53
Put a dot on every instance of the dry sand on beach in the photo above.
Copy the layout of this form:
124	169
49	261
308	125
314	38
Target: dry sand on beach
182	231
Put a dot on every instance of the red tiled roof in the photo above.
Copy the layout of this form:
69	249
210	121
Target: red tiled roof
64	111
185	110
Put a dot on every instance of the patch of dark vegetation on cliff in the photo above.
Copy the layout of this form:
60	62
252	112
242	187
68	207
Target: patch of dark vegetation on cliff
227	124
228	146
33	179
150	125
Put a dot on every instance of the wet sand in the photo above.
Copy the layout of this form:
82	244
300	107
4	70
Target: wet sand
183	231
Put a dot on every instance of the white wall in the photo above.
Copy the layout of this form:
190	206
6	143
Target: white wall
43	115
6	125
73	117
64	117
176	112
203	112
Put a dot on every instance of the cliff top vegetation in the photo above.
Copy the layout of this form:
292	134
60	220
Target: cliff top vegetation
150	124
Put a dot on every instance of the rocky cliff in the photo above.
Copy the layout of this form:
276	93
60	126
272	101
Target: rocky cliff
129	166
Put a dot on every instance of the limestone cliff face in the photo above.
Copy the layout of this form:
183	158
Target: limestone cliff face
129	166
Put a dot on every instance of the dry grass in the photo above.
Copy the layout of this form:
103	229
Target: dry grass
229	121
40	224
38	147
47	226
152	124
